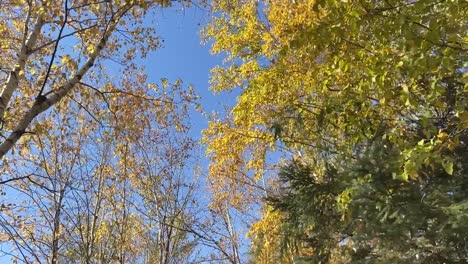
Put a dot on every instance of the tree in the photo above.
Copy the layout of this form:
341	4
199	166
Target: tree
169	196
76	165
322	82
79	201
53	50
358	211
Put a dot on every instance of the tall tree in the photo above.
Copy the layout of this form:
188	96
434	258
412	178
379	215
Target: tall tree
321	81
79	200
53	50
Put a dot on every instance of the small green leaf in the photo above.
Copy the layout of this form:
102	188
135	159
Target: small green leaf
448	167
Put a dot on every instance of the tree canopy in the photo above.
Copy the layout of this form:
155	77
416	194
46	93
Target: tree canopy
347	142
94	155
367	101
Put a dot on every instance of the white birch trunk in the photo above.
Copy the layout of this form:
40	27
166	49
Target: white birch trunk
45	103
13	78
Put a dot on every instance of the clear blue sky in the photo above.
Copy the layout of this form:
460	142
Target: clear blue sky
183	56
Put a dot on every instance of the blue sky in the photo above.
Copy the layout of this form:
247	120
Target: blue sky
183	56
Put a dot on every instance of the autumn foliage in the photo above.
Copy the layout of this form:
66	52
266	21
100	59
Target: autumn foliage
347	142
365	101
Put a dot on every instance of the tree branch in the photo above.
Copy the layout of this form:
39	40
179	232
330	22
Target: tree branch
13	77
40	106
